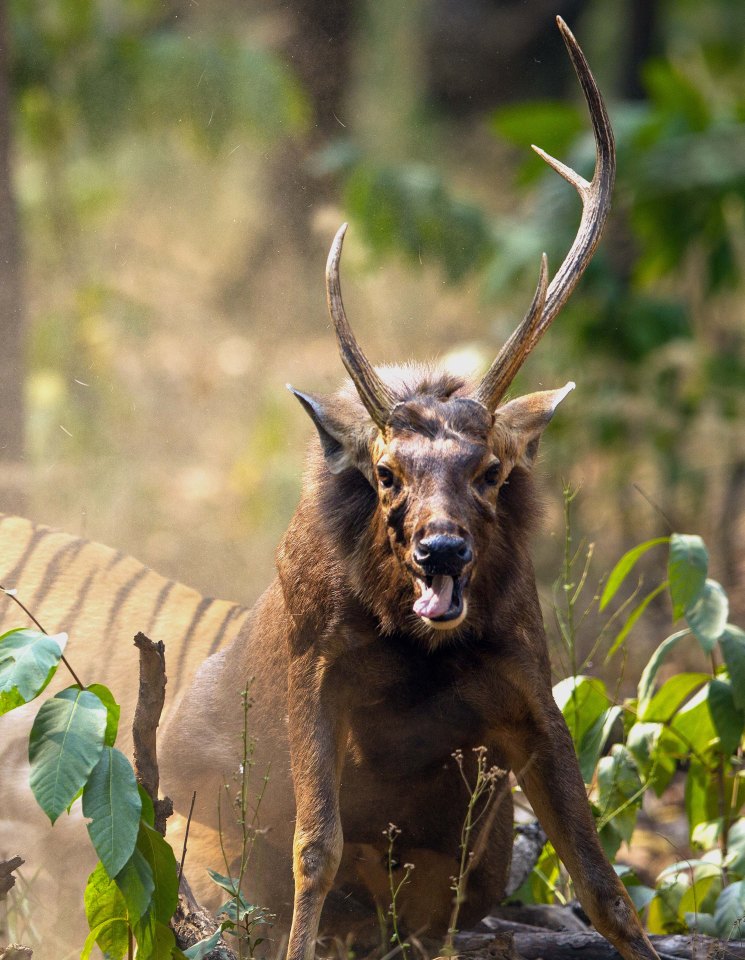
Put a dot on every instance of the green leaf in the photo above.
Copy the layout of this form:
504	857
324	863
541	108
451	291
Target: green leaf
641	895
619	798
662	916
162	862
581	700
148	810
702	894
106	910
111	800
594	741
646	683
112	711
98	933
687	567
656	751
701	923
693	723
736	849
671	696
730	911
633	617
28	661
201	948
732	643
728	720
227	883
65	744
701	799
707	617
624	566
155	939
135	881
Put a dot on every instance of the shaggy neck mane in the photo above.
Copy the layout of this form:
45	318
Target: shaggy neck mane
352	530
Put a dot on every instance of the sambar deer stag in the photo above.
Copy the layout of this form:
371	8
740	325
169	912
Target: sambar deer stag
404	624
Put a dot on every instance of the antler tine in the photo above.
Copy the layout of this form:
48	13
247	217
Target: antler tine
595	196
377	398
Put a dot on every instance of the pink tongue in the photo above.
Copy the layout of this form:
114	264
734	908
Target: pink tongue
435	600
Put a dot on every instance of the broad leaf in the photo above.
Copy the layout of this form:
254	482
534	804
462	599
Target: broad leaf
701	797
98	933
106	910
112	711
162	862
155	939
655	750
135	880
582	700
687	567
624	566
112	801
732	643
28	661
65	744
671	696
702	894
736	849
707	617
693	723
619	797
730	911
646	683
227	883
594	741
200	949
701	923
728	720
148	811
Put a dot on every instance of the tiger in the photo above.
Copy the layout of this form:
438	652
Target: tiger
101	598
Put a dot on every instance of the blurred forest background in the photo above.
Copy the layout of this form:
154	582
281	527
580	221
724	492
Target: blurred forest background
172	173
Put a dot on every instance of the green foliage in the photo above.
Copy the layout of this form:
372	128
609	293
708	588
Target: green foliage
65	745
28	661
106	912
133	891
409	209
111	800
84	67
691	721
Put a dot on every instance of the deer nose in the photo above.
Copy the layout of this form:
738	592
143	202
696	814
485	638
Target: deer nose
443	553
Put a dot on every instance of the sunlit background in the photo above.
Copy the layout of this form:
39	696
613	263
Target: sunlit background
173	173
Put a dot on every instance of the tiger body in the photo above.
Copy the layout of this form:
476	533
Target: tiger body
100	597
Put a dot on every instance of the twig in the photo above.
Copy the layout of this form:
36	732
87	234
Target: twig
150	700
186	837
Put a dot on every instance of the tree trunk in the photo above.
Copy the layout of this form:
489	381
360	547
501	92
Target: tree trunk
12	365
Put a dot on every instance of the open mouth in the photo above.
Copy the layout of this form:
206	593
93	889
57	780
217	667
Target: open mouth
440	599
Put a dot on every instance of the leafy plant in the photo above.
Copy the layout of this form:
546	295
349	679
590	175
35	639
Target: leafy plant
133	891
247	922
691	723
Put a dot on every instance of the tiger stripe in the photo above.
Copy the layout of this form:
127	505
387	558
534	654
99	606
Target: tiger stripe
102	598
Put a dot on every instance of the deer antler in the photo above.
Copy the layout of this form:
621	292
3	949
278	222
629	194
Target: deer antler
375	395
595	198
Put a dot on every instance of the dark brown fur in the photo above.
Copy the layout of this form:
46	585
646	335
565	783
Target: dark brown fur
375	699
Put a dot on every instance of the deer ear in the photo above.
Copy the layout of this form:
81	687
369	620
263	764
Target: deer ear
527	417
343	442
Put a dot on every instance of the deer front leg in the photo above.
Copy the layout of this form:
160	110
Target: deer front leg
542	755
317	738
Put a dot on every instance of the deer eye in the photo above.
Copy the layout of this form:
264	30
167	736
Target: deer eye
491	474
386	477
